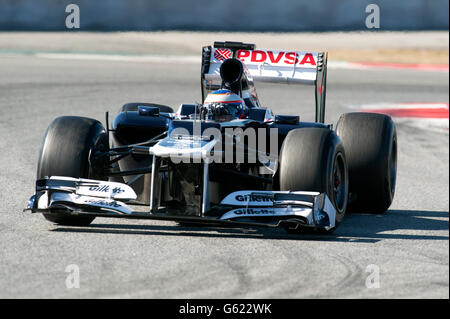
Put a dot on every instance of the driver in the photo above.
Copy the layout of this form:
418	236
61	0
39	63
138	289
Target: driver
222	106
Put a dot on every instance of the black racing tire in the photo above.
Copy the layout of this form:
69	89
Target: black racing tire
65	150
370	142
313	159
134	107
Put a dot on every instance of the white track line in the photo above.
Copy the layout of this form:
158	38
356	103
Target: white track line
121	58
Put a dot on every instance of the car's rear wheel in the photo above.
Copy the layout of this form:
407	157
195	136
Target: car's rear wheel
370	142
65	150
313	159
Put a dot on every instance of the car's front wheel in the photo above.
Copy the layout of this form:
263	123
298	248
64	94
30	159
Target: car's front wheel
65	150
313	159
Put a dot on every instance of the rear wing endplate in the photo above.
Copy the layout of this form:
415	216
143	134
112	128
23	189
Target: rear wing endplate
265	65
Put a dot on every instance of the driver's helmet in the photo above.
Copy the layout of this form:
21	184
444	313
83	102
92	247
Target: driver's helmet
223	105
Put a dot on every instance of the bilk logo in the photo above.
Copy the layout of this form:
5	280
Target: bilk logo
101	188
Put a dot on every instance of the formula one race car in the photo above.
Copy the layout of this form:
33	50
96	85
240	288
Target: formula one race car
226	161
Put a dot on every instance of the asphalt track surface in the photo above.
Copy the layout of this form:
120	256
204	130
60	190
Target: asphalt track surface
141	259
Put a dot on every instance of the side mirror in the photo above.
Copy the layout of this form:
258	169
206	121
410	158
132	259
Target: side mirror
148	110
287	119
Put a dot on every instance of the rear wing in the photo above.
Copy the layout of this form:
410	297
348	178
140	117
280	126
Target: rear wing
275	66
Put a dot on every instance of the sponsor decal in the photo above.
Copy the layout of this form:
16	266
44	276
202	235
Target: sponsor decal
254	211
222	54
101	188
253	198
117	190
276	57
105	189
113	204
88	200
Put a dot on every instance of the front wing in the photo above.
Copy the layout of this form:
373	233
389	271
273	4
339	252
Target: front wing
85	197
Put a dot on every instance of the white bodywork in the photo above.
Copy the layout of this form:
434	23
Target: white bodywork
271	65
80	191
313	207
